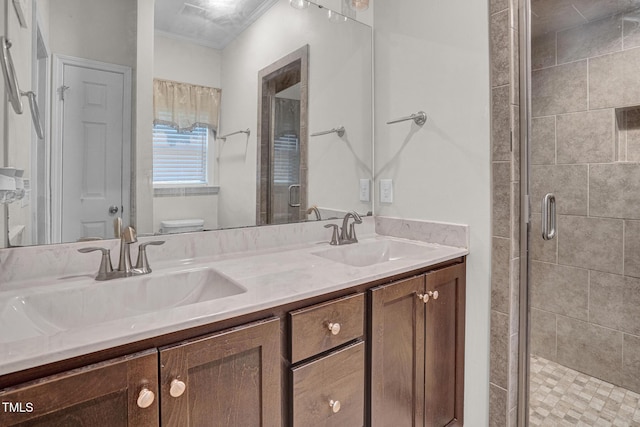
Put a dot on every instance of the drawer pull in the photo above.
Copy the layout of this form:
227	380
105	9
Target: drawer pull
145	398
177	388
433	294
335	330
335	406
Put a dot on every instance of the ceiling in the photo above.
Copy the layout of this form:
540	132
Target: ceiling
212	23
553	15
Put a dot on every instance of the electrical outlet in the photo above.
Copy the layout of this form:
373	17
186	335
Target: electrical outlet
365	190
386	191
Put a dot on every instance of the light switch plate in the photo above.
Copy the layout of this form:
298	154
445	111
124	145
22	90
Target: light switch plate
365	190
386	191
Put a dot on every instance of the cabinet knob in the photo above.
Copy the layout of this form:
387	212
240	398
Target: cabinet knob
433	294
423	297
145	398
177	388
335	406
334	328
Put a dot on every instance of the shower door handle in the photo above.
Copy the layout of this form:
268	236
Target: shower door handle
549	228
292	202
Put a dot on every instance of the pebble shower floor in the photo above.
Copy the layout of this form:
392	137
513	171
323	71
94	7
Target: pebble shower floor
560	396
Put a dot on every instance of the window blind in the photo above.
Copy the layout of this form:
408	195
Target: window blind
179	157
286	162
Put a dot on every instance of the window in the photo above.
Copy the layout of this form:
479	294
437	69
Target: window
286	159
180	157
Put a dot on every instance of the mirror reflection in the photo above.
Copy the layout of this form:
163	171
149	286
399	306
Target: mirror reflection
181	116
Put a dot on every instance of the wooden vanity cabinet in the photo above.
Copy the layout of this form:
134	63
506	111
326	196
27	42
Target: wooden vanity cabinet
379	354
109	393
230	378
417	350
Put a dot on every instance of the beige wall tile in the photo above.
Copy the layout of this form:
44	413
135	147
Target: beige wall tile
543	51
501	199
560	289
592	39
559	89
500	261
614	190
613	80
569	183
500	124
543	140
631	363
499	357
586	137
632	248
614	302
590	349
592	243
497	406
631	133
541	250
498	5
500	52
631	30
543	334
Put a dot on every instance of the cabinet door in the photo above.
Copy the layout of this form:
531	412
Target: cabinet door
105	394
444	344
231	378
397	354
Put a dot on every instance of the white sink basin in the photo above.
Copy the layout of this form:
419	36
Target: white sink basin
370	253
97	302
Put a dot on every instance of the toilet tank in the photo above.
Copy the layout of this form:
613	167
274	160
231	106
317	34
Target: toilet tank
181	226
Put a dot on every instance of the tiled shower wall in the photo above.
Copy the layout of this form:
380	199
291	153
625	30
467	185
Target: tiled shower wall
585	284
505	215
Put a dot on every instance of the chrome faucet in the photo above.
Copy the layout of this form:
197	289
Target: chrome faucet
347	232
125	269
127	237
316	211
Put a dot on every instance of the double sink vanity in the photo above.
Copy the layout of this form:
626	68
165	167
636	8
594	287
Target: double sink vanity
278	328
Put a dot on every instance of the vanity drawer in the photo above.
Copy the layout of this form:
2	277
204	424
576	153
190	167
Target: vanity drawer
330	391
324	326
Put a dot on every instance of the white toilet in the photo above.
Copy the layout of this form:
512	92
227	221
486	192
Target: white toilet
181	226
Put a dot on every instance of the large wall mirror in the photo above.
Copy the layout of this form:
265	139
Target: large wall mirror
184	114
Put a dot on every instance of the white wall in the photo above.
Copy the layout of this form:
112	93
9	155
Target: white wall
339	70
94	29
434	56
188	63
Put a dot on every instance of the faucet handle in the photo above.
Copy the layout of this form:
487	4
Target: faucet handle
105	263
334	235
142	263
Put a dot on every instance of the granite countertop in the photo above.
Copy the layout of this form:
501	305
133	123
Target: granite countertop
271	277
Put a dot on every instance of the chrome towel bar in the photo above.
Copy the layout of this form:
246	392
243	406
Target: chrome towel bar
419	118
224	137
339	131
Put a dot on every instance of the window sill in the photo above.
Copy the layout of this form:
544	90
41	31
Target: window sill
185	191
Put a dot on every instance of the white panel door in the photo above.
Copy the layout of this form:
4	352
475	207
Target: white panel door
92	151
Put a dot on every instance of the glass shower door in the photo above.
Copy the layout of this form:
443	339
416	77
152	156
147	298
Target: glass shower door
584	282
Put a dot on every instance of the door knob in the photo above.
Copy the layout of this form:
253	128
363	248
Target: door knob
335	406
113	209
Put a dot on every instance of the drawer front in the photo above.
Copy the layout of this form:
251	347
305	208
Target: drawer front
330	391
325	326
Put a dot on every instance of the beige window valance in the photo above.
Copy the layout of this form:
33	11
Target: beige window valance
185	106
